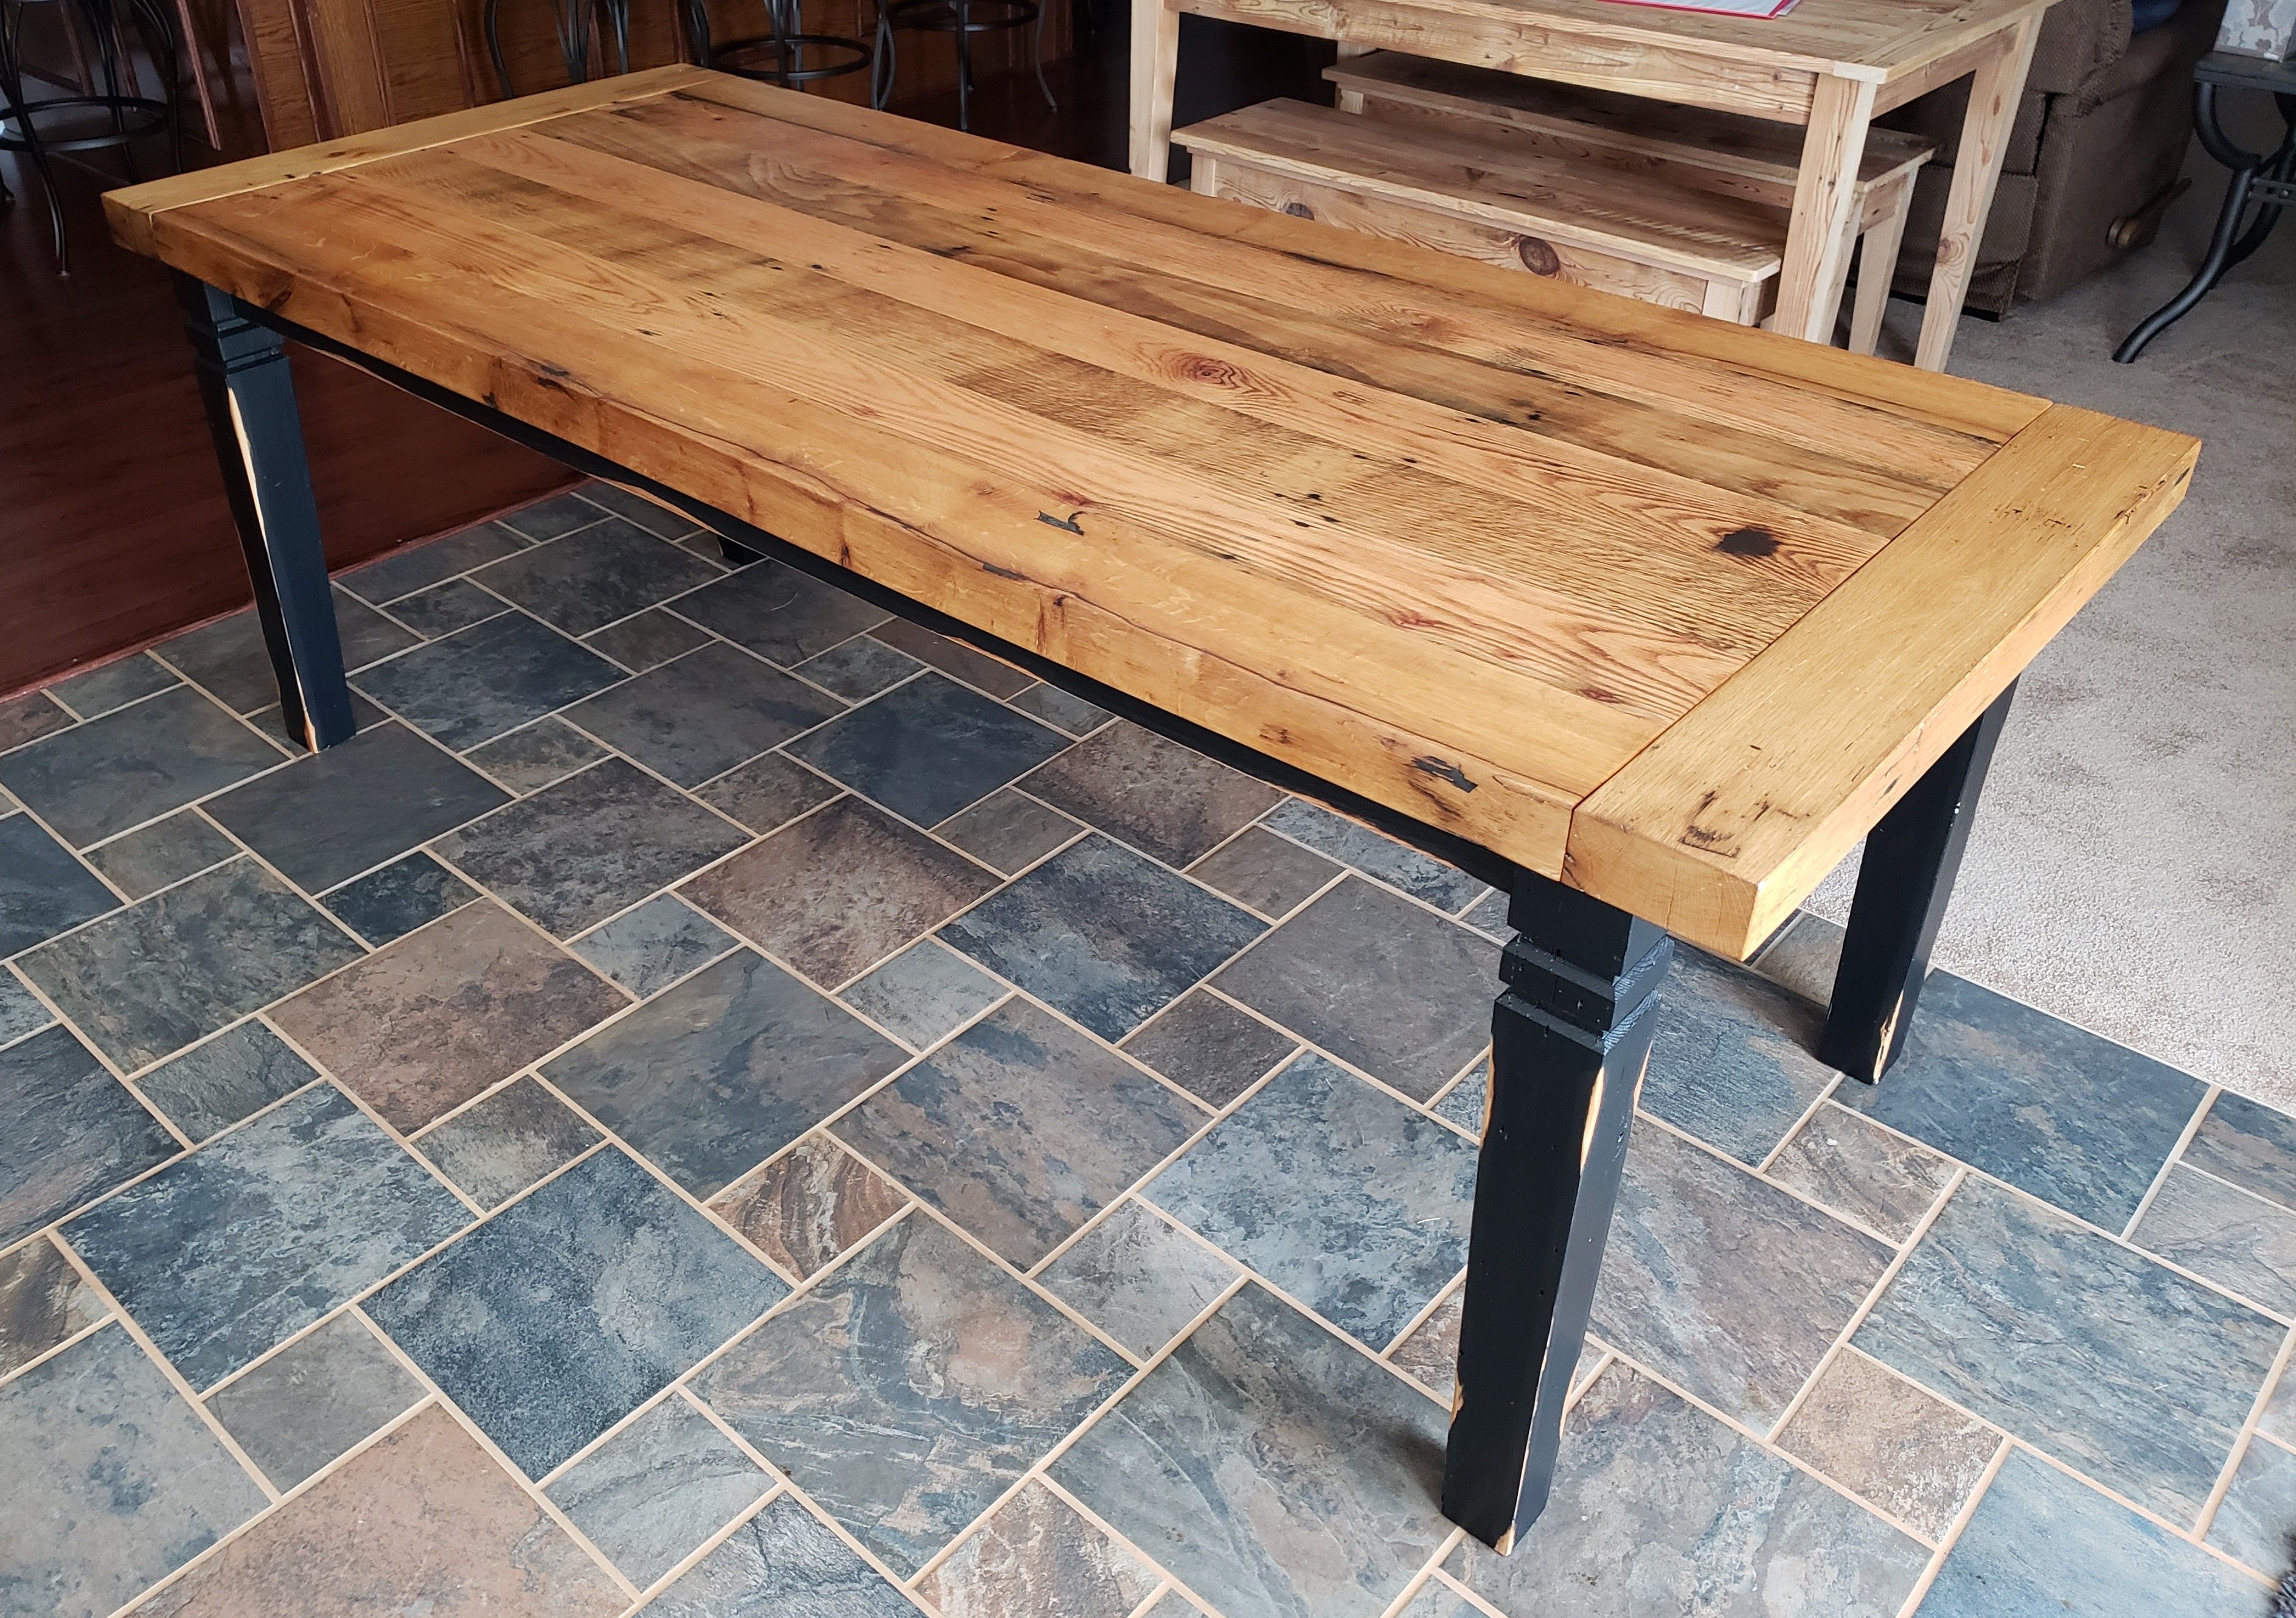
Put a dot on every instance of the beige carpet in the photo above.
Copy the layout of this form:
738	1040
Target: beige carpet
2131	864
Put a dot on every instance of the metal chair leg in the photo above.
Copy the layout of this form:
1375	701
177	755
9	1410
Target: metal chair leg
963	64
1037	49
11	89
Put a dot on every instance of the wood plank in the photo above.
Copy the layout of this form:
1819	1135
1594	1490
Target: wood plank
130	209
1722	825
1493	175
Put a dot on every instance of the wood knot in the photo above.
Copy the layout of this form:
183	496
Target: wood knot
1299	211
1537	257
1205	368
1750	541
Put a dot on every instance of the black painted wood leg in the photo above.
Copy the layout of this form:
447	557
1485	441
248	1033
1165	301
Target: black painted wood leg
1904	884
1570	1038
259	437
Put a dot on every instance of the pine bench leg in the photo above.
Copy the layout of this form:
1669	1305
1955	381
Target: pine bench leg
259	437
1904	884
1569	1038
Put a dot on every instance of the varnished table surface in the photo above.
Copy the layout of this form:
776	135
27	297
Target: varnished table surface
1668	609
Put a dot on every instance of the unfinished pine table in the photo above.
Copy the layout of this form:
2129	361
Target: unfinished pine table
1831	66
1644	617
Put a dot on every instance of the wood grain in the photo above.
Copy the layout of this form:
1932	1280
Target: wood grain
1489	550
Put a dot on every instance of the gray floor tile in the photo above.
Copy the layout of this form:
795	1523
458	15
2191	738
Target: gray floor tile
1657	1507
767	794
778	613
1156	795
1020	1130
20	1012
1271	1468
996	677
1802	956
1060	709
43	1302
2044	1543
331	814
548	519
911	1388
646	641
1138	1279
69	1132
1489	915
1731	1063
44	890
2224	1233
485	681
654	946
570	855
782	1560
1008	831
211	1086
1103	935
859	668
160	855
1270	874
1207	1046
1855	1167
657	1489
184	963
814	1202
229	657
1465	1102
702	714
1037	1558
2254	1522
28	717
1722	1284
313	1400
113	1481
2096	1354
444	608
594	576
1416	873
840	890
242	1244
651	515
2249	1145
1401	993
384	906
536	755
930	748
272	723
1430	1355
496	1148
115	685
715	1075
419	1028
417	567
2052	1109
95	780
1344	1197
565	1312
1907	1452
923	992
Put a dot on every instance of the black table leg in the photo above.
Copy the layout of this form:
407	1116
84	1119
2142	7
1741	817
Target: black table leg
1904	884
259	437
1569	1038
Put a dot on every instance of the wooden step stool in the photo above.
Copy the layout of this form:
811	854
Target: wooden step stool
1483	192
1722	152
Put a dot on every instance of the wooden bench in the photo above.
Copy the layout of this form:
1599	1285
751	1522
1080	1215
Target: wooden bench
1483	192
1718	152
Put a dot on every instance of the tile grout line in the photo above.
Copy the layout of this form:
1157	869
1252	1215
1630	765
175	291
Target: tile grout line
1457	1284
1643	1119
1793	1131
58	1348
2230	1471
2167	1165
1444	1577
1951	1537
1403	1600
2149	1514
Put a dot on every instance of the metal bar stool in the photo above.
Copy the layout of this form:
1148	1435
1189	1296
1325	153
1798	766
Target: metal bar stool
962	19
576	20
780	55
132	116
2267	179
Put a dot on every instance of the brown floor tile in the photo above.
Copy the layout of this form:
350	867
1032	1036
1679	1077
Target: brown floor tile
1037	1558
1870	1430
424	1025
809	1205
424	1521
1155	794
1857	1167
840	890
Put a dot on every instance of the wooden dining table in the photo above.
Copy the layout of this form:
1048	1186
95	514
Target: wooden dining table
1830	66
1645	618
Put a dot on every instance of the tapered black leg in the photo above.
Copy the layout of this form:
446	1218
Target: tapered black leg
1904	884
259	437
1570	1038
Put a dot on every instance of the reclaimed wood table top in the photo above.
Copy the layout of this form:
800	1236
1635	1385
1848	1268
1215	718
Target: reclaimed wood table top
1670	609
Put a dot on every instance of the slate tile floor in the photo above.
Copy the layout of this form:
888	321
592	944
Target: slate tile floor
720	1102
